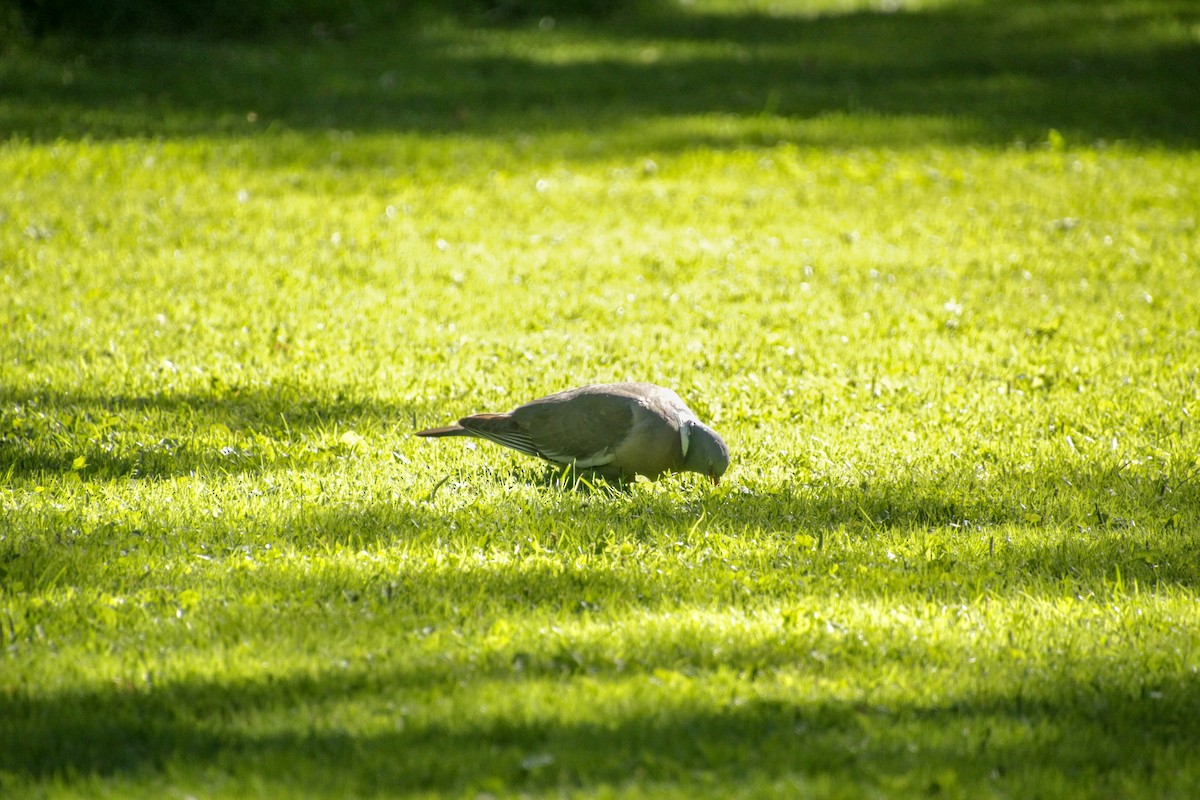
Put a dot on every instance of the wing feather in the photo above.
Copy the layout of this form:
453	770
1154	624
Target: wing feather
501	429
575	427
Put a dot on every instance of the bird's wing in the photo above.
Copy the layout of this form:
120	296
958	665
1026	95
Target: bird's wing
501	429
578	427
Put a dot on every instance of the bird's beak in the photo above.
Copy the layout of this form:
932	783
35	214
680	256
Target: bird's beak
716	479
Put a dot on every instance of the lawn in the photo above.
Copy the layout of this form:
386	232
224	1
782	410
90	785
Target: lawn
931	268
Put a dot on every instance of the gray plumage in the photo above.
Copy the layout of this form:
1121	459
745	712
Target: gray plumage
618	430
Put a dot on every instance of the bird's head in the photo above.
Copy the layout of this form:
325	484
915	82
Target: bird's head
705	451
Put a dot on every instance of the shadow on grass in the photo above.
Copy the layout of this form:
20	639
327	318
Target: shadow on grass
534	552
166	435
984	73
283	733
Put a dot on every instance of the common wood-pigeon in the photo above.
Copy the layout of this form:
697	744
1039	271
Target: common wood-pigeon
618	430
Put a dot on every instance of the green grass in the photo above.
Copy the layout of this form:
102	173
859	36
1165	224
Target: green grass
934	274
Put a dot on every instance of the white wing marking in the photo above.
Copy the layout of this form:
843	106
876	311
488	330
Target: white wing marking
605	456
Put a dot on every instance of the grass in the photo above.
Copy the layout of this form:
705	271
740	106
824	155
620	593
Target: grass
932	273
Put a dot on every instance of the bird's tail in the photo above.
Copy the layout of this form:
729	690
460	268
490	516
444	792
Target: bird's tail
499	428
449	430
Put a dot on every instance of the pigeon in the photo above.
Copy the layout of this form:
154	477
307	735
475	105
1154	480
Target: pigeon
615	430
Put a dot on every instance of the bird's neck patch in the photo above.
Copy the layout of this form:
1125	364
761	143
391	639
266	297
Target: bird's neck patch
685	435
